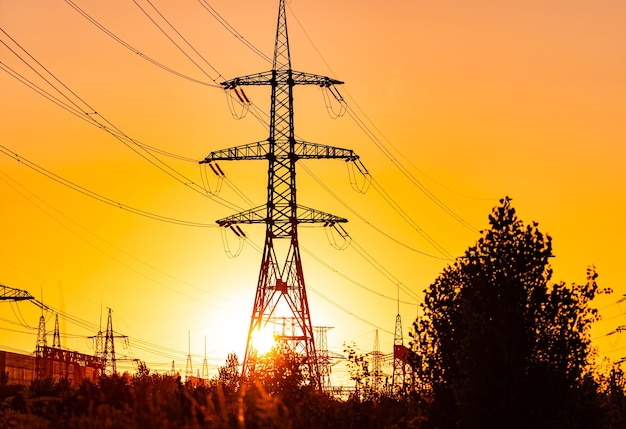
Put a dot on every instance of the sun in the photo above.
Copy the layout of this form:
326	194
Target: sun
263	339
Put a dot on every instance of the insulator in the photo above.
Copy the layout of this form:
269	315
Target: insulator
238	95
213	168
243	94
220	170
235	231
243	234
335	92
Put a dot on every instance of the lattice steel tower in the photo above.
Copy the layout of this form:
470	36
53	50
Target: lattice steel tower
281	286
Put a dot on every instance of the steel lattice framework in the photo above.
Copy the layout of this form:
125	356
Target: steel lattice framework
281	281
11	294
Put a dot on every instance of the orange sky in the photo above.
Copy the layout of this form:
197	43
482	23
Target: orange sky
478	101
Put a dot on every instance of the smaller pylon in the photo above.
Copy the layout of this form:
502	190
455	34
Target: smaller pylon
173	372
41	335
205	363
56	338
42	343
377	359
188	367
323	359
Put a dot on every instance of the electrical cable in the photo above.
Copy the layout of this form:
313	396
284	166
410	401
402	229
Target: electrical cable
110	128
351	280
176	44
6	151
358	215
134	50
81	237
232	30
371	135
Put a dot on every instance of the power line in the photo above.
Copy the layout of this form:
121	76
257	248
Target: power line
351	280
391	202
87	111
176	44
175	290
134	50
372	136
6	151
205	4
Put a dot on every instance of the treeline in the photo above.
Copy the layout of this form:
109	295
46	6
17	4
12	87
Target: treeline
498	344
162	401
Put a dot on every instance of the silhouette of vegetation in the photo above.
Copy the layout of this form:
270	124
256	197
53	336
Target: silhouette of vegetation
503	346
498	345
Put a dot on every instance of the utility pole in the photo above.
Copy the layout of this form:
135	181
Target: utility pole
281	288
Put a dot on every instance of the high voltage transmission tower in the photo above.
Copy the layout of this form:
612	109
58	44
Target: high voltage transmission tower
281	286
105	346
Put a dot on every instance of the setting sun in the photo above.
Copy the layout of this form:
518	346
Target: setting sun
263	339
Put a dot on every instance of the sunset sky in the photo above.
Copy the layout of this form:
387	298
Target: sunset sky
452	106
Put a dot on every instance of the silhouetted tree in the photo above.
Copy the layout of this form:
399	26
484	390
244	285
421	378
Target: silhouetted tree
500	345
612	397
229	376
281	372
358	367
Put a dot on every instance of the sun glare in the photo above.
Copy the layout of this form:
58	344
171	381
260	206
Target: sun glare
263	339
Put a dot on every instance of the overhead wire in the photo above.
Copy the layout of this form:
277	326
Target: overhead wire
90	113
345	310
14	186
71	185
396	207
381	269
205	4
351	280
388	154
133	49
165	33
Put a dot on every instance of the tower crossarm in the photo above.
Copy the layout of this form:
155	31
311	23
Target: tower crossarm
259	215
255	215
258	150
272	77
303	78
261	151
310	215
307	150
11	294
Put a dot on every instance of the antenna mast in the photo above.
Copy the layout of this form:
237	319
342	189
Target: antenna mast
281	288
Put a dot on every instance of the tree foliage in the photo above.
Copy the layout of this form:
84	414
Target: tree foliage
500	344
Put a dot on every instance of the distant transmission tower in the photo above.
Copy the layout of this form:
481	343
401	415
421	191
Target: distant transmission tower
189	366
323	359
56	337
109	362
399	368
281	288
42	343
205	363
377	358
